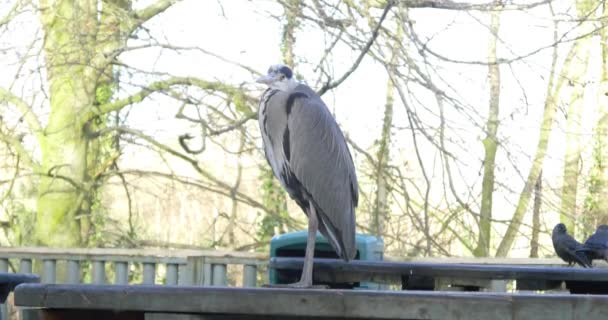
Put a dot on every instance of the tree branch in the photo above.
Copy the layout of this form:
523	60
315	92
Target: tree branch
26	111
193	162
149	12
452	5
235	93
328	86
20	150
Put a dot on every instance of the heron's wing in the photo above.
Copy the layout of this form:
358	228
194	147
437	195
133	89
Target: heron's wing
319	158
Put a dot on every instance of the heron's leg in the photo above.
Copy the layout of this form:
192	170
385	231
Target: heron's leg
306	278
313	226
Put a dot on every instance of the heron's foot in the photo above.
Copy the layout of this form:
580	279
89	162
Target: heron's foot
297	285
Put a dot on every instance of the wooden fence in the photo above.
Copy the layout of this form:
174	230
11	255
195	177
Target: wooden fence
173	267
133	266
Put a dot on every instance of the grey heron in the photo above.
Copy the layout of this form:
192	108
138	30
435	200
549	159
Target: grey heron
567	247
309	156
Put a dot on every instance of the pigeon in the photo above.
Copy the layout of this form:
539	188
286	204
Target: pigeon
567	248
596	246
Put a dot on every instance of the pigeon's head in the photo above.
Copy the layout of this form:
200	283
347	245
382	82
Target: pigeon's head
560	228
279	77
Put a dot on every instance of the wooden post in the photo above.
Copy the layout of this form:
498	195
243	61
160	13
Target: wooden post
149	273
207	274
25	266
171	277
249	275
184	275
49	271
73	272
219	275
195	273
3	308
99	272
121	272
3	265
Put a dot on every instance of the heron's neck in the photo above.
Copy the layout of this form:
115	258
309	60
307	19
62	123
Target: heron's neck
285	85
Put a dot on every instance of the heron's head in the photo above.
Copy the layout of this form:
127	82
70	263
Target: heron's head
279	77
560	228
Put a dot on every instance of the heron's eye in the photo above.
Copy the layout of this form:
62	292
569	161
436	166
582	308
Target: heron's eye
281	76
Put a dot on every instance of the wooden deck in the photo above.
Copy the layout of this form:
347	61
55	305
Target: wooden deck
451	278
172	302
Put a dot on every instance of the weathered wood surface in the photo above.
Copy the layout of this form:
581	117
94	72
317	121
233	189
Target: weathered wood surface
355	271
146	255
219	256
8	281
255	303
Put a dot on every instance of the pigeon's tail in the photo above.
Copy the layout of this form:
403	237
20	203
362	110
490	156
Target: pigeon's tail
582	256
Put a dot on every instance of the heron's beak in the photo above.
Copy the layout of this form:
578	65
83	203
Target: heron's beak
267	79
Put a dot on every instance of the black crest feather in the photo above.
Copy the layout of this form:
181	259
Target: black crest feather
286	71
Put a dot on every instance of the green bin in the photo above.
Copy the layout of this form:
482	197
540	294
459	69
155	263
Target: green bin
293	244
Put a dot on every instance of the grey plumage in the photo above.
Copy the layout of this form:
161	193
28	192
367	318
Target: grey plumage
567	248
596	246
309	155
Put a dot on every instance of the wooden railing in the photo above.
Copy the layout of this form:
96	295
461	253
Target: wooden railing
171	267
133	266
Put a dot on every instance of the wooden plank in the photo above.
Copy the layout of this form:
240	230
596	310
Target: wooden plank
488	260
340	271
308	303
159	255
8	281
89	315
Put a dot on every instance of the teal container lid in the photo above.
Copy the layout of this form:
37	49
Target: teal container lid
293	244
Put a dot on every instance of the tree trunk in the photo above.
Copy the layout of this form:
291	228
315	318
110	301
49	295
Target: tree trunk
576	78
380	210
69	31
234	210
292	11
80	44
490	144
578	69
597	202
274	197
541	150
538	196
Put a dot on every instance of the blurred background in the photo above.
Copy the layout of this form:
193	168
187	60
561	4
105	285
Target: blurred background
475	126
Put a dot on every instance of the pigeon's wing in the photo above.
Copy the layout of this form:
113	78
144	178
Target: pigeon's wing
575	251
